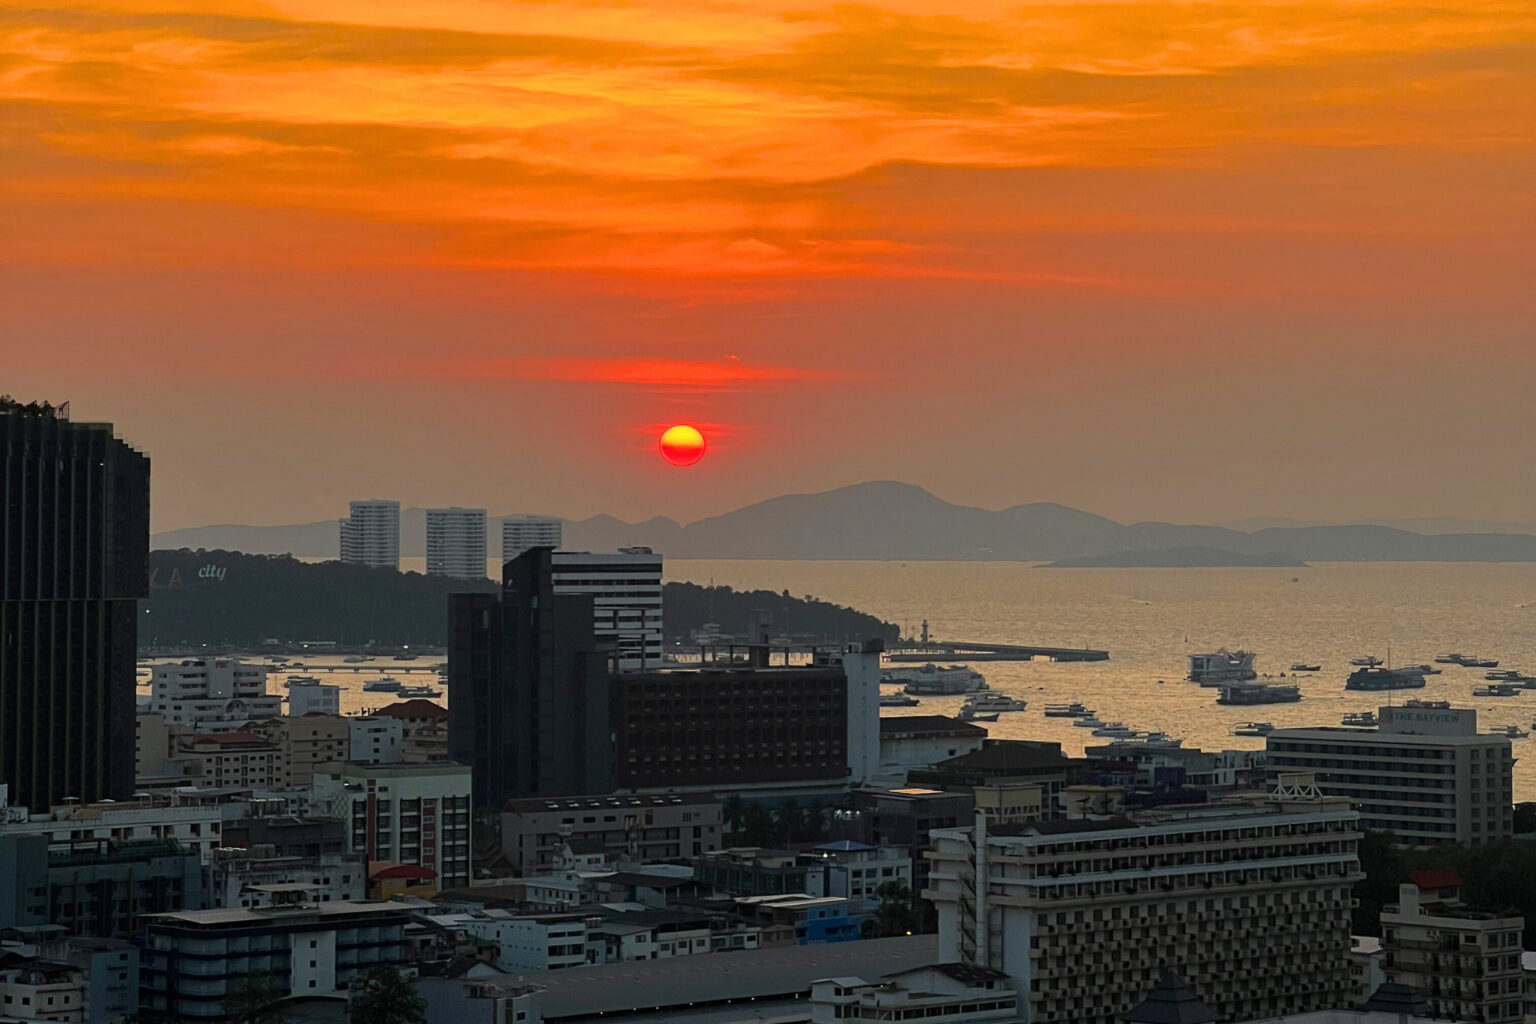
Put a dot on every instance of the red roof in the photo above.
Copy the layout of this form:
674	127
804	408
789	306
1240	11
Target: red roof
1435	879
418	707
240	736
378	870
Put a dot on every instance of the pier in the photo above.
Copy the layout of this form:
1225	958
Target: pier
965	650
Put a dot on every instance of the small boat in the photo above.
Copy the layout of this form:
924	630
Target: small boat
1090	722
385	685
301	681
1467	661
1514	732
405	657
1376	677
1504	675
1259	693
1117	729
1073	710
1498	690
1450	659
1428	670
1483	663
898	700
419	691
972	715
1361	718
1252	729
1370	661
994	702
355	659
1302	666
1157	739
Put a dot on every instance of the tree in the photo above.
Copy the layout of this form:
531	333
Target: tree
1525	818
790	817
757	827
385	996
255	999
733	810
901	912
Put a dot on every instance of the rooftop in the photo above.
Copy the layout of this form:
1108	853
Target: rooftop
528	805
270	915
415	708
927	725
1435	879
1009	755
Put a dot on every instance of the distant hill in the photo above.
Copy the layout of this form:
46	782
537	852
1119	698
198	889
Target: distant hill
1176	558
887	520
234	599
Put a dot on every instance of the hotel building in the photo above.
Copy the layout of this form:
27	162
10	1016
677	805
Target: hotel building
456	543
370	535
625	588
519	533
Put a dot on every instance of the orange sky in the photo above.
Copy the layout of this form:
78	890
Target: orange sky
474	252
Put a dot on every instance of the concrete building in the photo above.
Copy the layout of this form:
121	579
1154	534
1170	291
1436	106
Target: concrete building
212	694
480	1001
1365	970
456	543
922	741
856	872
234	760
284	836
308	949
1083	915
950	993
1003	761
625	588
424	729
375	739
43	992
636	828
95	887
307	743
404	814
520	533
109	970
246	877
1465	963
187	818
370	535
313	699
531	942
153	744
901	819
74	544
1426	774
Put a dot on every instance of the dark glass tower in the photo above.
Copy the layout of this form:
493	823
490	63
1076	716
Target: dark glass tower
74	553
528	688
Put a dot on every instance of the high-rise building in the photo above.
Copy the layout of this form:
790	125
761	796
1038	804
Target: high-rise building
1426	775
1083	915
74	559
528	688
415	814
456	543
519	533
625	588
370	535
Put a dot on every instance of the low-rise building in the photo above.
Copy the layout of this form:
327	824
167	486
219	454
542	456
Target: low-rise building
403	814
1000	761
109	970
307	742
191	819
902	819
240	759
424	729
1464	962
95	887
630	827
948	993
212	694
857	872
753	871
375	739
313	699
1365	959
530	942
480	1002
41	991
922	741
243	877
801	919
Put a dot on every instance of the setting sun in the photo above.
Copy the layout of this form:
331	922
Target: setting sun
682	445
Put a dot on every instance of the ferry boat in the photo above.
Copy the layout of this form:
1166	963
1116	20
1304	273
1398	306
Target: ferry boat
1364	719
1302	666
994	702
1116	729
1073	710
1259	693
972	715
1376	677
898	700
385	685
1252	729
1089	722
1497	690
931	679
1514	732
419	691
1222	667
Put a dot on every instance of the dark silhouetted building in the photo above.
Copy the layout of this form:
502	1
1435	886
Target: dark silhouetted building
528	688
74	557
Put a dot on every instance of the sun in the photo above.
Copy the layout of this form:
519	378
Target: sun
682	445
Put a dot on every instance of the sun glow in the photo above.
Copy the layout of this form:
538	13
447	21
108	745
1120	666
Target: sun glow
682	445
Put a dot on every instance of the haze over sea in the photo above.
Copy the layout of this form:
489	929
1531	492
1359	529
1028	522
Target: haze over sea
1332	613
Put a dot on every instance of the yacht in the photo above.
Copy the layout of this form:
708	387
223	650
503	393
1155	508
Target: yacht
1514	732
972	715
1302	666
1370	661
1073	710
1497	690
1157	739
1252	729
1119	730
898	700
1259	693
385	685
1376	677
994	702
1090	722
1361	719
932	679
419	691
1222	667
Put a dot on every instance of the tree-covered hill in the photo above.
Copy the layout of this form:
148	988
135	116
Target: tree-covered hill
228	598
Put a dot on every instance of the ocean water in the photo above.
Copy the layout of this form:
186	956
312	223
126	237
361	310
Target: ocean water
1151	620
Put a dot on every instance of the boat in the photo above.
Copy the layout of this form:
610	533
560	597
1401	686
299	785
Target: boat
1222	667
931	679
1376	677
1302	666
385	685
1428	670
1259	693
1449	659
1514	732
1504	675
301	681
1252	729
1090	722
898	700
405	657
1117	729
419	691
1361	718
355	659
1157	739
1369	661
1497	690
1483	663
1467	661
972	715
1073	710
994	702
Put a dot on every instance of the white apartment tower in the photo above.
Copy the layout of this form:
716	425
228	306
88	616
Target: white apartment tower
456	543
370	535
212	694
519	533
1248	900
625	588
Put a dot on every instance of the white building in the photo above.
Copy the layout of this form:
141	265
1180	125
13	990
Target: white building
535	942
313	699
376	739
947	993
212	694
519	533
370	535
625	588
1084	915
246	878
456	542
856	871
403	814
1465	963
1426	775
51	992
187	819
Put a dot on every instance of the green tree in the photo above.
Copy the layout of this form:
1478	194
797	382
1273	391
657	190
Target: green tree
733	811
255	999
790	817
757	826
385	996
901	912
1525	818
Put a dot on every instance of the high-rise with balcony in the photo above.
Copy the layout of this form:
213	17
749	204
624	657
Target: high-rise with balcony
519	533
456	543
1249	900
625	588
74	554
370	535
